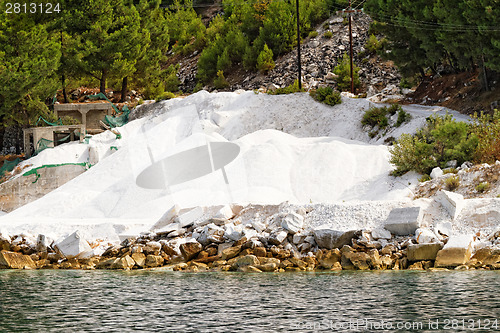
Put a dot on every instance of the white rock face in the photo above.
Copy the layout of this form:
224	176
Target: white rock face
404	221
423	235
73	245
452	202
292	222
381	233
166	218
436	172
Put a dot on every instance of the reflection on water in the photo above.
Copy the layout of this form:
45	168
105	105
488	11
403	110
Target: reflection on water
103	301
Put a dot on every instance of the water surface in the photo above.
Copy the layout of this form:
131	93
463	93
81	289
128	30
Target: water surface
118	301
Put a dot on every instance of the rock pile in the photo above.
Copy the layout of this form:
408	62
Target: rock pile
255	238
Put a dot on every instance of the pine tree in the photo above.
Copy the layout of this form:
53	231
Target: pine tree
265	60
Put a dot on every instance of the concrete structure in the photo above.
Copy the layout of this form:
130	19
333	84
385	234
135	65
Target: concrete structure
88	114
22	190
51	133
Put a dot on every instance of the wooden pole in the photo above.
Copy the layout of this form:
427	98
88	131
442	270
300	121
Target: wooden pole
298	46
351	49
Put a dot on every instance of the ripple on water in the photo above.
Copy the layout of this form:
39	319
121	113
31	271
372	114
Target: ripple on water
105	301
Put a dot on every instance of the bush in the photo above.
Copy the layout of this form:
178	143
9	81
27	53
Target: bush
265	60
172	81
487	130
220	81
328	34
452	183
483	187
293	88
376	116
424	178
166	95
313	34
372	44
440	141
403	116
326	95
343	71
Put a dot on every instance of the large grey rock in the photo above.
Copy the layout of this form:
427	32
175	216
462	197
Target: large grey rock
436	172
211	234
418	252
404	221
332	239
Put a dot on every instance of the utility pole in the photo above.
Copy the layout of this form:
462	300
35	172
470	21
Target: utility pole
298	45
349	13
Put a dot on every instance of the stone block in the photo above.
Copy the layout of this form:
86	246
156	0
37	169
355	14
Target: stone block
452	202
332	239
15	260
166	218
456	252
292	222
404	221
188	218
73	245
427	251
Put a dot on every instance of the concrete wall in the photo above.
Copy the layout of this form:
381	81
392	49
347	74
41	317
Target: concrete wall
21	191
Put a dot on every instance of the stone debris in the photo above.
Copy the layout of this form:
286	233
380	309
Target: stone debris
404	221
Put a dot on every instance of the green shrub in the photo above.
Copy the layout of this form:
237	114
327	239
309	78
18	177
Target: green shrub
450	170
483	187
326	95
372	44
293	88
487	129
375	116
403	117
265	60
172	81
220	81
424	178
326	25
166	95
452	183
343	71
441	140
313	34
328	34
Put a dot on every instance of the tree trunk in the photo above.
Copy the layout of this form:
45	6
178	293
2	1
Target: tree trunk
102	89
18	140
63	79
2	132
124	89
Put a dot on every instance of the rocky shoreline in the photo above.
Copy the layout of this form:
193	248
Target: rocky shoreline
227	240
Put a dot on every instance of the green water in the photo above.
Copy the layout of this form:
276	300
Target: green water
116	301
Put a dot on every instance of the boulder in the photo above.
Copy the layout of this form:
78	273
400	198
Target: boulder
154	261
226	213
166	218
123	263
452	202
328	258
425	236
211	234
418	252
487	256
456	252
331	239
436	173
292	222
233	232
42	243
277	237
139	258
188	218
249	269
359	260
381	233
190	249
404	221
248	260
15	260
73	245
230	252
269	267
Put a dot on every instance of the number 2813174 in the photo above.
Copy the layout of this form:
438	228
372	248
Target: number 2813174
32	8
